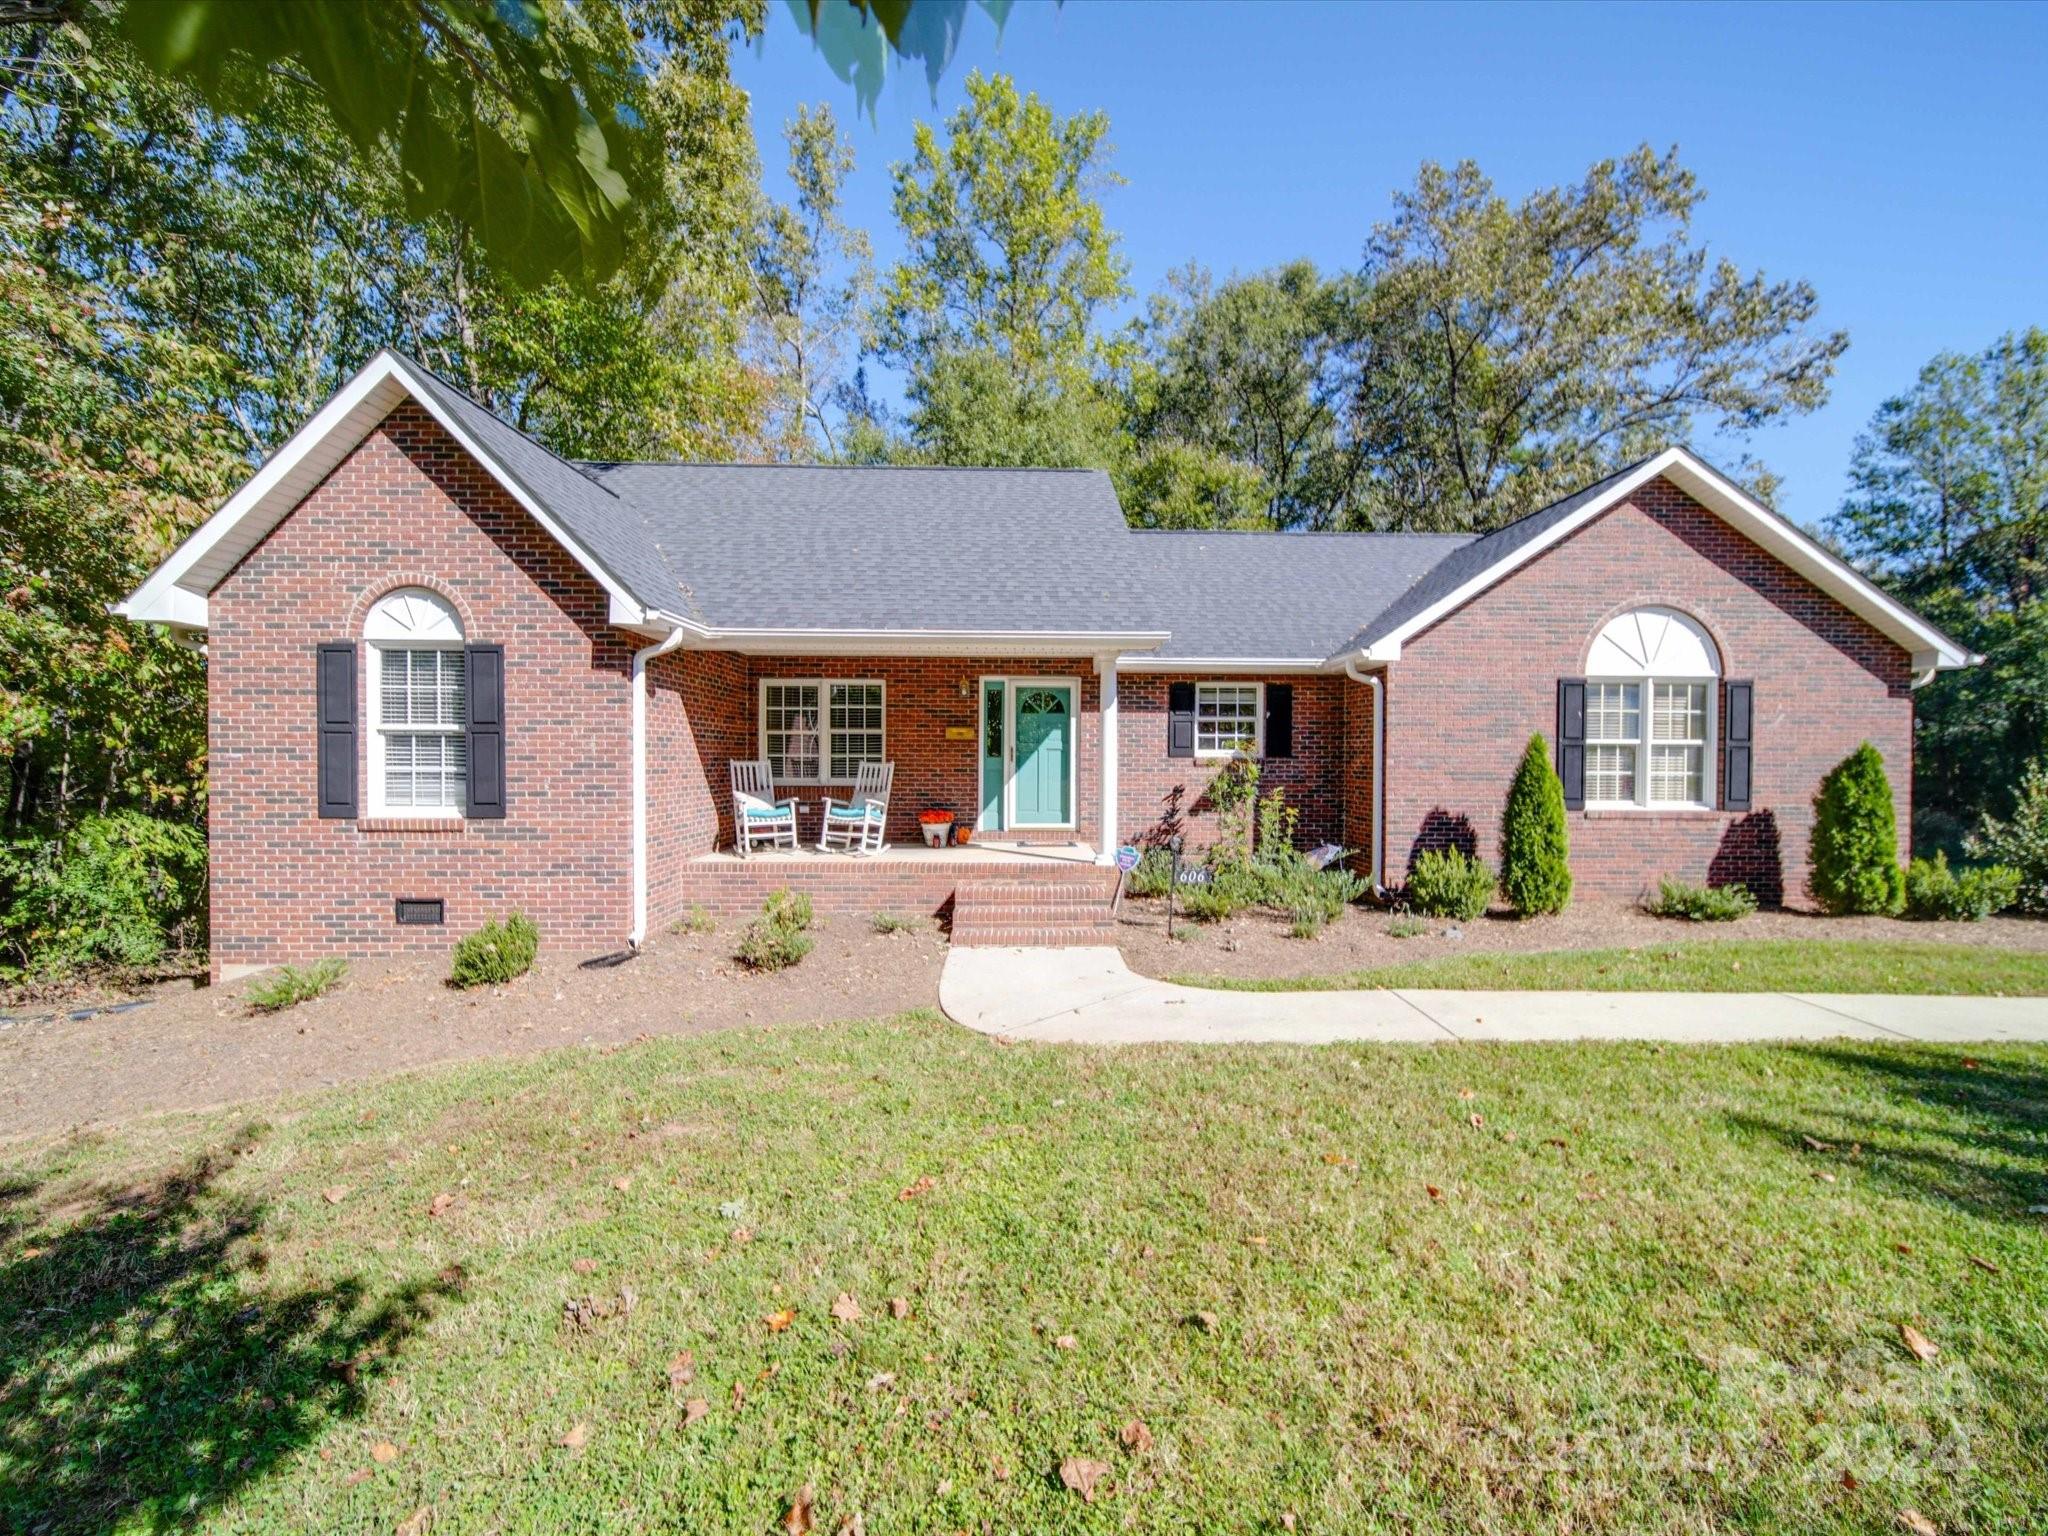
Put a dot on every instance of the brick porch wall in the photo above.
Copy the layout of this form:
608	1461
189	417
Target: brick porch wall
408	508
1467	694
697	722
1159	795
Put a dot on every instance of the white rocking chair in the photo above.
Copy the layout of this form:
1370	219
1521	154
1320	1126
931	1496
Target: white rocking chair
856	825
757	816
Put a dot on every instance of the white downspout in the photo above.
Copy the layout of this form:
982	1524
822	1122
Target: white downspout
641	658
1105	667
1379	759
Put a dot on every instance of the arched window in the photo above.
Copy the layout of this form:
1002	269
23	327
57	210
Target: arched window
1651	701
418	754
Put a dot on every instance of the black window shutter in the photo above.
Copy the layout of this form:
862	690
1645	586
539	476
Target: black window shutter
1571	740
336	687
1279	719
1180	719
1738	732
484	687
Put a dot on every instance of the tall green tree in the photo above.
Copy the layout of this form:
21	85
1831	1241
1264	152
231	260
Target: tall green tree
1514	352
992	314
1948	506
814	278
1256	373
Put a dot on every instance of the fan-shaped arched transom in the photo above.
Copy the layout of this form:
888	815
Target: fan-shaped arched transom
1647	642
416	616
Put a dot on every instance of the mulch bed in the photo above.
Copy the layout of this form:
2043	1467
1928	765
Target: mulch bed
1257	944
95	1058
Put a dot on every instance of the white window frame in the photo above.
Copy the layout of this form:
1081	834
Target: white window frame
412	619
824	685
1643	637
1258	746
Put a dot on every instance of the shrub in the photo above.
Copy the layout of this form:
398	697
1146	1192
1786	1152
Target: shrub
1319	898
1935	893
1535	849
1700	903
1406	925
2021	841
118	889
1154	872
1449	883
1854	857
496	953
696	920
890	922
290	985
1212	902
776	939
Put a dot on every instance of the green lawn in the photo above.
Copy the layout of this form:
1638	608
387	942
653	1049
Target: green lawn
1454	1288
1731	965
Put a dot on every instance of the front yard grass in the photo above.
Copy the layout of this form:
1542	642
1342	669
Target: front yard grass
1584	1287
1727	965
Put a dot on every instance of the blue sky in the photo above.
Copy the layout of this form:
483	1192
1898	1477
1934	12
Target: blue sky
1894	156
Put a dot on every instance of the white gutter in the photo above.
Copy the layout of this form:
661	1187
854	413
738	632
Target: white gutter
641	658
1379	761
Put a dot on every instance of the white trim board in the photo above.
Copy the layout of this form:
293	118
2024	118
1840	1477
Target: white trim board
176	590
1931	649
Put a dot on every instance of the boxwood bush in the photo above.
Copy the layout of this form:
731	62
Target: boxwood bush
1448	882
1700	903
777	939
1936	893
496	953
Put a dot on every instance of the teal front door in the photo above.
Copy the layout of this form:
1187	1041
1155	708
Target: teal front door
995	711
1042	761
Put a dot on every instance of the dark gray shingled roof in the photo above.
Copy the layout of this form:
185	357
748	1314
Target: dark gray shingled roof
766	546
1295	595
1473	556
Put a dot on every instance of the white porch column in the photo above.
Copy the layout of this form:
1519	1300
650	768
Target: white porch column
1105	669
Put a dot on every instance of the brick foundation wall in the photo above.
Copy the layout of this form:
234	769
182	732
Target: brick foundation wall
410	508
1466	695
730	889
1158	795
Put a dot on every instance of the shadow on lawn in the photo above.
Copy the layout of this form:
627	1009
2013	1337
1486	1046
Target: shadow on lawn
148	1372
1985	1152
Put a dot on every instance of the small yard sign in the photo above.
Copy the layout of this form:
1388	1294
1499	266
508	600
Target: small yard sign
1127	858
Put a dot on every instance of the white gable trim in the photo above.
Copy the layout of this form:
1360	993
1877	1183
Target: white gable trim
1932	650
176	590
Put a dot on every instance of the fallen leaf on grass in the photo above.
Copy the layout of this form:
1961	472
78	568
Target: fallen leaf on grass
797	1520
584	1266
845	1308
356	1478
1468	1093
1478	1122
775	1322
623	1183
1824	1176
334	1194
682	1369
1287	1521
1923	1348
1136	1437
416	1523
1434	1192
1918	1523
1080	1475
383	1453
1986	1265
852	1525
920	1186
880	1380
695	1409
438	1206
899	1307
1905	1248
1206	1321
1815	1144
1066	1341
577	1437
1338	1160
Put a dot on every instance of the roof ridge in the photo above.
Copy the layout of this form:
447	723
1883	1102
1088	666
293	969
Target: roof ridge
956	469
1312	533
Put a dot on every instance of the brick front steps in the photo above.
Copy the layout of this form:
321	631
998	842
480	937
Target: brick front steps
1041	912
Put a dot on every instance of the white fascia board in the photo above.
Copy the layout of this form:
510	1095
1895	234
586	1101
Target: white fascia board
176	590
1742	512
1227	665
913	642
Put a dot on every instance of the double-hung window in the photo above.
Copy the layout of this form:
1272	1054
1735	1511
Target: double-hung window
419	759
1226	719
1650	720
821	730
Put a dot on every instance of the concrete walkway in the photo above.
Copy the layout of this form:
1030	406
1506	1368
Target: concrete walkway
1089	996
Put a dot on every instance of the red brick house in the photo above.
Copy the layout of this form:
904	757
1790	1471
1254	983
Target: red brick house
451	673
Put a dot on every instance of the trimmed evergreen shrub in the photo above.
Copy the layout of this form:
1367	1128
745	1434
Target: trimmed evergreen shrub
2020	841
1700	903
1854	857
1935	893
776	939
1448	883
1535	849
496	953
290	985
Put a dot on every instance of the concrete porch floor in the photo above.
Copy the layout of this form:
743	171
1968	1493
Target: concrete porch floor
995	851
